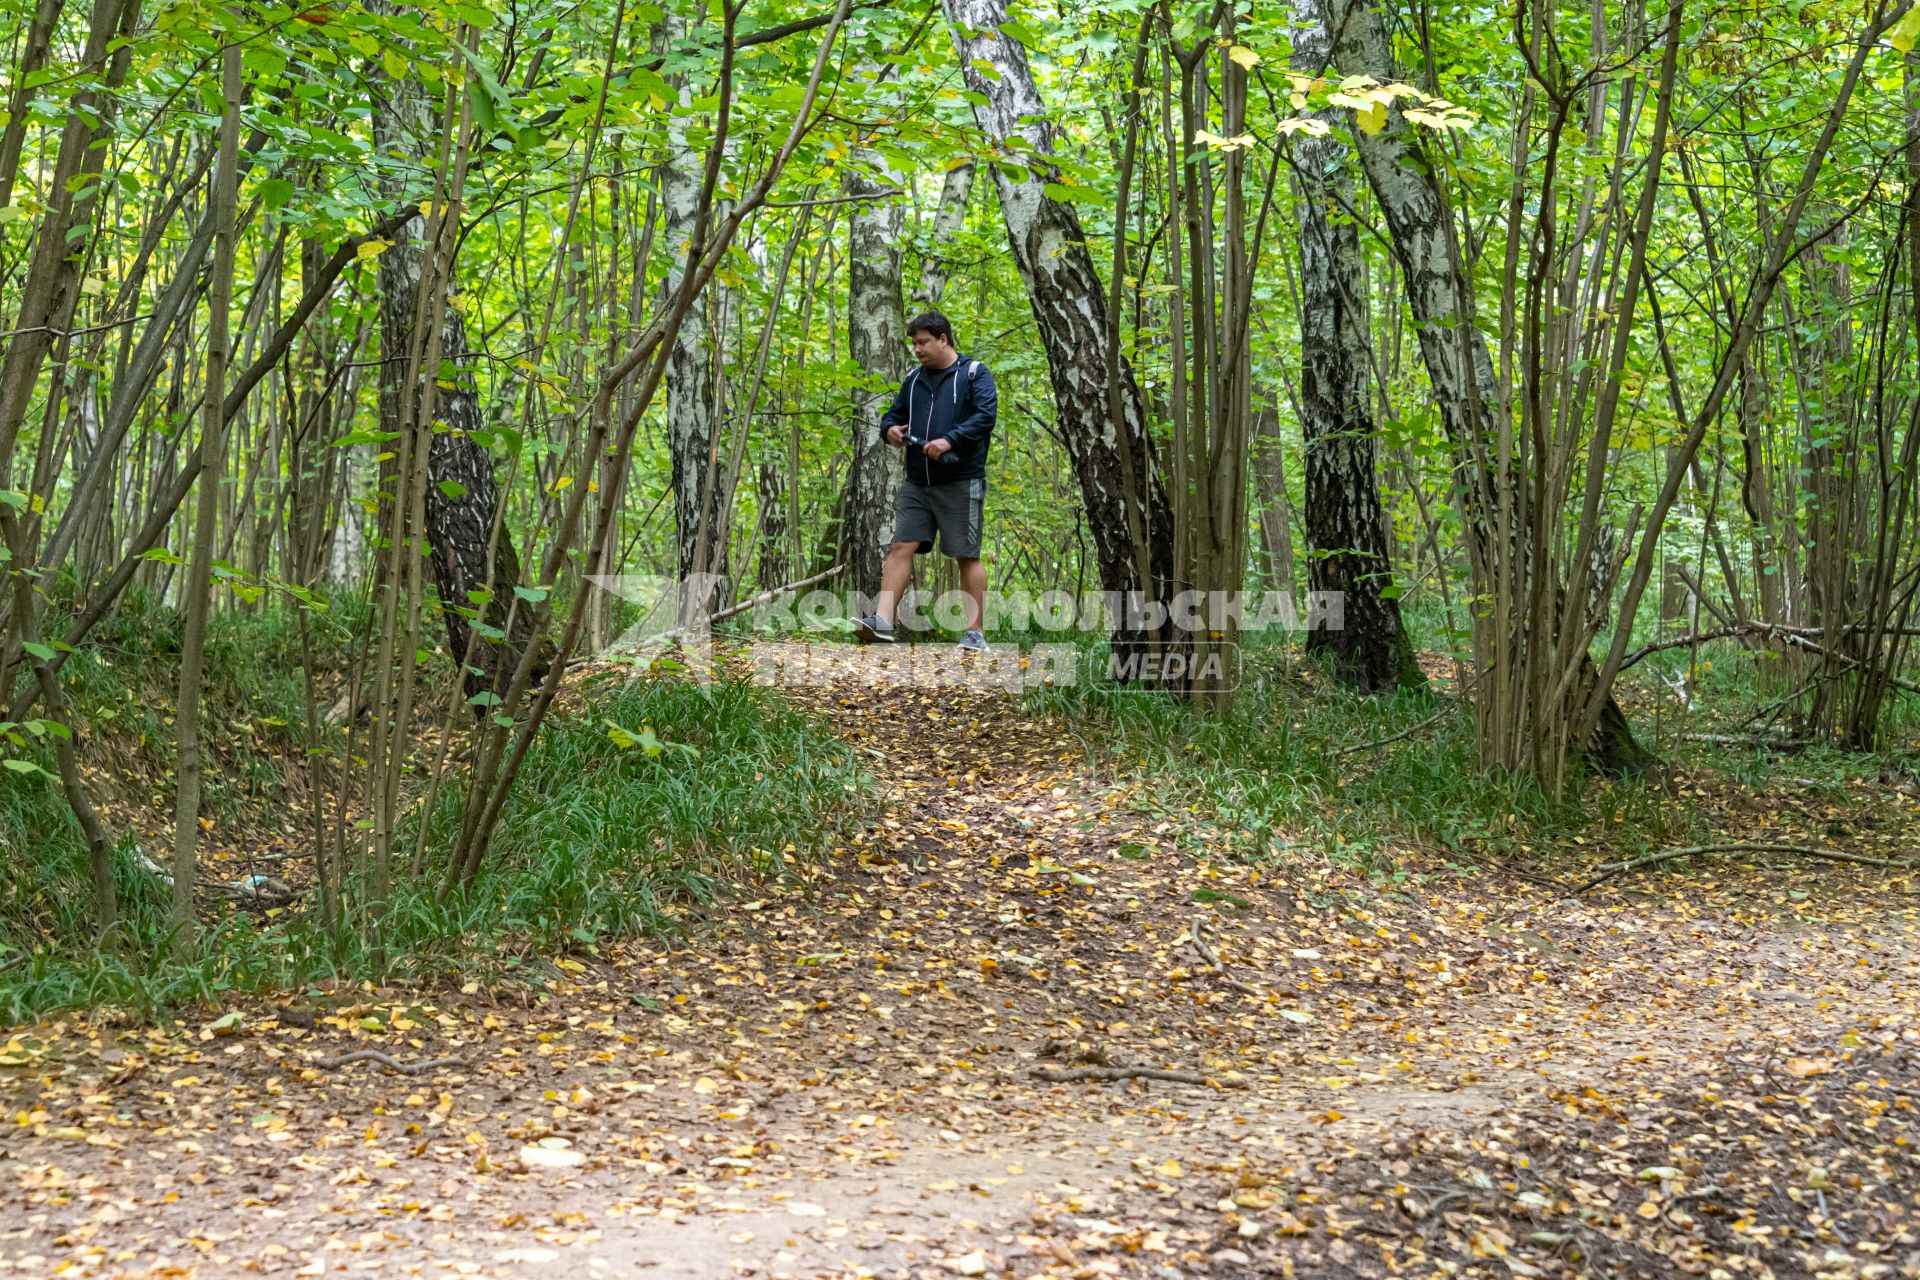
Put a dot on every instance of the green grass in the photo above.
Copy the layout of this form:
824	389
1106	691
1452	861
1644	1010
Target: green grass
1267	780
599	841
603	840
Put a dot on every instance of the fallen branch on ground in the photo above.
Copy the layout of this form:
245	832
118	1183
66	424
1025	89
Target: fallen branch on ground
768	597
1073	1075
1798	636
1428	723
1609	870
1219	967
1785	746
387	1061
677	634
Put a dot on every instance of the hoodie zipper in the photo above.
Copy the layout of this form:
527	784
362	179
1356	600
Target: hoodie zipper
926	437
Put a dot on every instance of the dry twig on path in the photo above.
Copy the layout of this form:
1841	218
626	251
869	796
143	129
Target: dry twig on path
1609	870
1219	966
387	1061
1073	1075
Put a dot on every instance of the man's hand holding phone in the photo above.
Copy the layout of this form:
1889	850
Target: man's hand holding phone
897	435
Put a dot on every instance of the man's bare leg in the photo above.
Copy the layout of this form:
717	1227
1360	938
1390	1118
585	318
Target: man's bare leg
973	584
893	578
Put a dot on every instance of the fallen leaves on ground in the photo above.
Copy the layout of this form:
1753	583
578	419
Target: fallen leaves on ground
835	1077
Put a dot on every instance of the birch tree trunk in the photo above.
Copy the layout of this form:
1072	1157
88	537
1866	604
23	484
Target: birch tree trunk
473	556
775	538
1345	525
947	221
692	372
1069	307
875	321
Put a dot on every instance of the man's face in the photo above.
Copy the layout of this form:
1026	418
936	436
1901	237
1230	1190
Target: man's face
932	352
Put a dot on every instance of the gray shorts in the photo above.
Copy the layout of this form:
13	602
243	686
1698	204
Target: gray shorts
954	509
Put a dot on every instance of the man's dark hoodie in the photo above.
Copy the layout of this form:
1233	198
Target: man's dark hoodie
958	404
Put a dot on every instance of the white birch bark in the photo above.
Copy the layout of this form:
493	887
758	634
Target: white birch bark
875	323
1068	299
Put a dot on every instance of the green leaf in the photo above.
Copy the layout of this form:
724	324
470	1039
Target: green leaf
492	102
452	488
40	651
1073	195
276	192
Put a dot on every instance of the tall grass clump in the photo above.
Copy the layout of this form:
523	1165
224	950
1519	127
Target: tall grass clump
1278	771
643	799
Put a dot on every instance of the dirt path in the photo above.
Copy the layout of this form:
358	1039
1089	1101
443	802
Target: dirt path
841	1081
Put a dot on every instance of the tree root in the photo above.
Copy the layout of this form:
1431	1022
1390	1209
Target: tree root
387	1061
1074	1075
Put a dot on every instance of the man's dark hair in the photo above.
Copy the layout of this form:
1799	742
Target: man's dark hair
931	322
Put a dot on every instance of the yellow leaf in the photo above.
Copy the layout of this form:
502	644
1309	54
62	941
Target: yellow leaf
372	249
1170	1168
564	482
1244	56
1904	36
1373	119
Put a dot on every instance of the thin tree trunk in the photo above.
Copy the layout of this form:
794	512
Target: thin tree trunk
199	582
52	287
775	546
46	15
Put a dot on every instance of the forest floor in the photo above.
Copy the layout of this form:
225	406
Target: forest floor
1713	1073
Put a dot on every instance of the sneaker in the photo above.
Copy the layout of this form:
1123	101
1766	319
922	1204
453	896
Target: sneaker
873	629
973	642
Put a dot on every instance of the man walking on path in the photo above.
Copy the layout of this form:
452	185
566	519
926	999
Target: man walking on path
943	419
